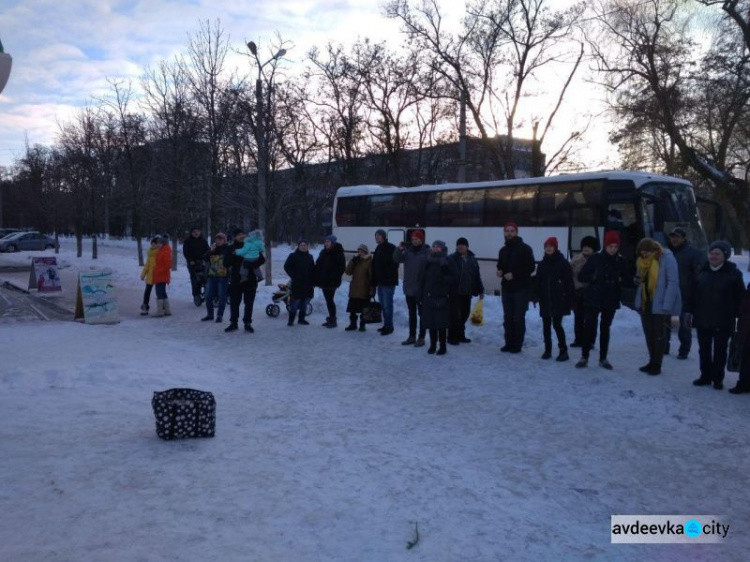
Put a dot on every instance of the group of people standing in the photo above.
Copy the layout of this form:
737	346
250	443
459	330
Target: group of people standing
674	281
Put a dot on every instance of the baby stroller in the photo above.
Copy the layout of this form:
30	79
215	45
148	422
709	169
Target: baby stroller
284	294
201	278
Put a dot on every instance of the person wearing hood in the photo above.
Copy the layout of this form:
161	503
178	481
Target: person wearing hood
300	267
657	298
218	278
553	285
589	246
194	247
360	286
250	252
384	278
690	260
713	307
413	257
468	283
242	288
329	267
515	264
605	274
434	282
147	274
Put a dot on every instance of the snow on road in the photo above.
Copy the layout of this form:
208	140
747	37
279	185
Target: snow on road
331	445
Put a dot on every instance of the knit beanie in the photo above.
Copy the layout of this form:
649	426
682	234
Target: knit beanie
611	237
302	240
725	248
417	234
511	224
221	235
551	241
462	242
364	248
590	242
331	238
237	231
443	246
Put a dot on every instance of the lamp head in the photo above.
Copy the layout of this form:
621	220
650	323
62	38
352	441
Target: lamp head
253	48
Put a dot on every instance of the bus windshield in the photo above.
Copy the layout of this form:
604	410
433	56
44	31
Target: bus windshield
669	205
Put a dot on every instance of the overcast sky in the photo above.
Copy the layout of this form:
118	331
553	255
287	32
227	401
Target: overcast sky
64	50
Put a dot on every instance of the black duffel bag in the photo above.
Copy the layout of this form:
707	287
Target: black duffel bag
183	412
372	312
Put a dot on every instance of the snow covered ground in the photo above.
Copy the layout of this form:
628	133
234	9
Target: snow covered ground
331	445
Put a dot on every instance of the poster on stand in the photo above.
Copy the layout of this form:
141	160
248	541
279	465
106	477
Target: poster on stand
96	302
44	276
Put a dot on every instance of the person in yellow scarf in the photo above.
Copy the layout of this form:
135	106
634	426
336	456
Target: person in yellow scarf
657	298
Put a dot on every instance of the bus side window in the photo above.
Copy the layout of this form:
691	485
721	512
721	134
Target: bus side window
497	206
461	207
349	211
523	205
413	208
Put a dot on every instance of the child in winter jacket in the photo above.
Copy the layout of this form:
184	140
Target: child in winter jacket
250	252
147	274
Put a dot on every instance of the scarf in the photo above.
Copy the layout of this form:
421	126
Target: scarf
648	271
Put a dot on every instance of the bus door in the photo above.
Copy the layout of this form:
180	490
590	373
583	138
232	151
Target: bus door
396	236
582	222
625	215
712	218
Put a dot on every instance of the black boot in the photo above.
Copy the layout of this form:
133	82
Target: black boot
302	318
328	319
741	388
331	323
547	350
362	323
441	338
563	354
231	328
292	316
352	323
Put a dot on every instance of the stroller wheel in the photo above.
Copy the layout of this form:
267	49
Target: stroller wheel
197	300
309	309
273	310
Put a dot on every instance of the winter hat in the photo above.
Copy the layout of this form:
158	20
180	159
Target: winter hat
237	231
364	248
331	238
164	238
441	244
302	240
382	233
462	242
590	242
648	245
221	235
611	237
155	239
256	235
551	241
678	232
511	223
725	248
417	234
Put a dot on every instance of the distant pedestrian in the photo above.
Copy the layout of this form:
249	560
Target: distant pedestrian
515	264
435	280
413	257
605	274
193	249
657	298
360	286
242	288
218	278
329	268
690	260
384	278
467	284
715	305
147	274
589	246
162	275
553	284
300	267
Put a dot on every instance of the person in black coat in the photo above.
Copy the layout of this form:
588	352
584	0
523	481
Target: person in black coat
553	286
329	267
384	278
515	264
713	307
194	248
240	289
690	260
743	341
468	283
300	267
605	272
435	279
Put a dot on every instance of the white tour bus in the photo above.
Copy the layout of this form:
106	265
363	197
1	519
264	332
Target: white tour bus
568	207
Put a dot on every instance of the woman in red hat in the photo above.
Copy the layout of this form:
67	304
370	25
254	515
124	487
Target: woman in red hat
605	273
554	289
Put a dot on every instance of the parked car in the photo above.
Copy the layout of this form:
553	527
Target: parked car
26	241
8	231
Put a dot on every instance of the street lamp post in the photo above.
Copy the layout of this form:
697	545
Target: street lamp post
262	142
